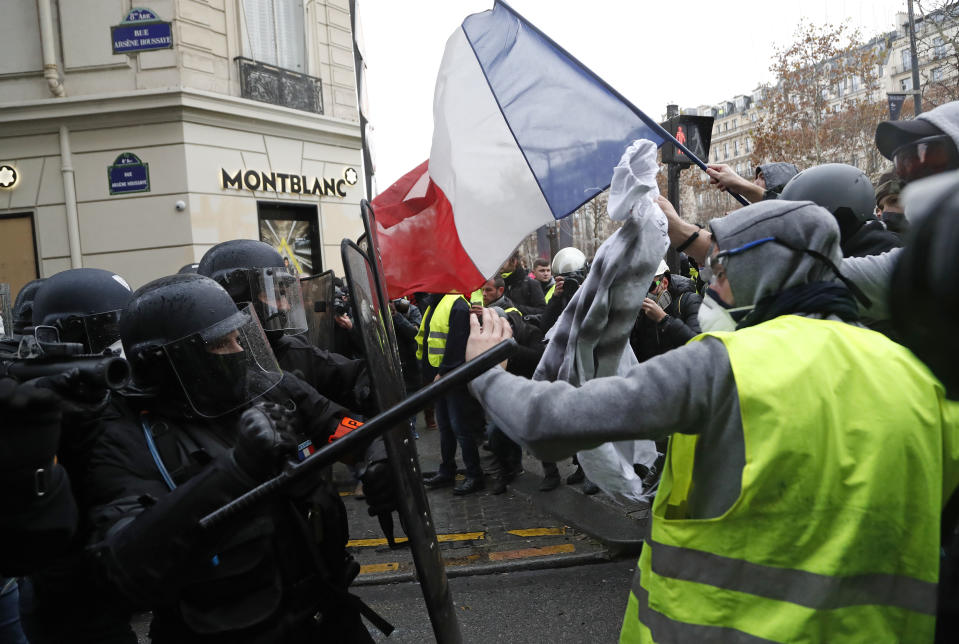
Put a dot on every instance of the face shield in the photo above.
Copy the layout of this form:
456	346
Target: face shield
226	365
275	295
278	300
95	332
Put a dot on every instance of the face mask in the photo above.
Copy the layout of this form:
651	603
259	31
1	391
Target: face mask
228	374
714	316
895	221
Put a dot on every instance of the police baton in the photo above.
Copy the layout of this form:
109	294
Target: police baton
359	437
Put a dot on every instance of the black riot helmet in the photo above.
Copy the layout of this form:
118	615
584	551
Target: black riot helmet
843	190
253	271
23	307
184	334
188	268
923	298
83	305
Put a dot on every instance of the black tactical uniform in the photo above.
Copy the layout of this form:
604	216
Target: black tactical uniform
176	451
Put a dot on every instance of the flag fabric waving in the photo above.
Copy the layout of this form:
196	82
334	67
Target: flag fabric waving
523	135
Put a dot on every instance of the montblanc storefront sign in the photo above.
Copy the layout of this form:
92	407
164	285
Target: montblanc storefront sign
282	182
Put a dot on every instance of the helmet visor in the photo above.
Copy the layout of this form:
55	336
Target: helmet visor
95	332
226	365
276	295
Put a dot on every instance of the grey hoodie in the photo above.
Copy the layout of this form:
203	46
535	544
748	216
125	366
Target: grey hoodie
777	174
690	389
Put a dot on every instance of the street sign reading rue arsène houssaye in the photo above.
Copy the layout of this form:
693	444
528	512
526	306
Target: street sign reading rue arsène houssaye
141	30
128	174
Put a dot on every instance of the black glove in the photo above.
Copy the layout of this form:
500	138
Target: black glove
378	488
265	440
82	402
31	426
378	480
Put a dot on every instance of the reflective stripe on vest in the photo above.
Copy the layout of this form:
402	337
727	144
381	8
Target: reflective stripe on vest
439	323
819	546
549	293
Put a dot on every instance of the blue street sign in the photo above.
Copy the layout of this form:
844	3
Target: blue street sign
141	30
128	174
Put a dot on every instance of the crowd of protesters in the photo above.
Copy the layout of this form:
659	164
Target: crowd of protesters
800	352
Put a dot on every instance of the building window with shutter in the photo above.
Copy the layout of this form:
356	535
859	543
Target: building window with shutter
274	33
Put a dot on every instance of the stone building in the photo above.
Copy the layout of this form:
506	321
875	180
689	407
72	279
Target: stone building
135	135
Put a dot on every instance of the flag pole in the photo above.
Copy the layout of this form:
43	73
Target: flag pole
653	125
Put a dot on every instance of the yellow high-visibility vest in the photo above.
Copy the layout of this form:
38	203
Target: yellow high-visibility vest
820	546
438	331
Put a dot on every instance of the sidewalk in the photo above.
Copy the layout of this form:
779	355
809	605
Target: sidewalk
483	533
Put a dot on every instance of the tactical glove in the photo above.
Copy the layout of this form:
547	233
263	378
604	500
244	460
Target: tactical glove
265	440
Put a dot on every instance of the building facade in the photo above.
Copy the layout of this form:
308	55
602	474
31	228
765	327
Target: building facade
135	135
736	119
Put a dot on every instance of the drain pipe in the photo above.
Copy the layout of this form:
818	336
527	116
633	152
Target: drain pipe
50	72
70	198
52	76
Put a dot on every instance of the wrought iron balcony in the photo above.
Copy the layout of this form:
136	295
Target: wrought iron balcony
269	84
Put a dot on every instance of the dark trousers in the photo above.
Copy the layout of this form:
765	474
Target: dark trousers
458	416
508	454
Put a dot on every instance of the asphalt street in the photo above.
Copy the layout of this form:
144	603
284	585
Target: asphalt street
581	604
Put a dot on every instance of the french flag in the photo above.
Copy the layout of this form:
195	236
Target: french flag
523	135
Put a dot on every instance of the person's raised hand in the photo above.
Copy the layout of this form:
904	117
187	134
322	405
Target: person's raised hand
652	310
493	330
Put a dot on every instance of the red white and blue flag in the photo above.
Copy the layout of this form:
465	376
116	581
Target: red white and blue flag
523	135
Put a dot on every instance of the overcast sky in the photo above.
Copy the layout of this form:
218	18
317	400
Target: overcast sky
689	52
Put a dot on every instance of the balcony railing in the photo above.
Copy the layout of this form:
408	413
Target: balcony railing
269	84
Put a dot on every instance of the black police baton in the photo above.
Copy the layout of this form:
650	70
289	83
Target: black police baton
358	437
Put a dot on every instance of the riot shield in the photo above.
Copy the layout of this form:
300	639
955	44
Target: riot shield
318	302
372	317
6	311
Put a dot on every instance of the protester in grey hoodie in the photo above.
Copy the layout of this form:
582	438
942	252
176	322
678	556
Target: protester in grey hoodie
773	177
781	259
690	389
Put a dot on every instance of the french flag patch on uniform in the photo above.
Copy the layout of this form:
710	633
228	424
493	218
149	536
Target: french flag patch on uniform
304	450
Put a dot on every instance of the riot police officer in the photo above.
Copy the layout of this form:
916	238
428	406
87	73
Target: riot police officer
62	600
186	440
253	271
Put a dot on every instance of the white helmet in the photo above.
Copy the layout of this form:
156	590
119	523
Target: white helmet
568	260
663	268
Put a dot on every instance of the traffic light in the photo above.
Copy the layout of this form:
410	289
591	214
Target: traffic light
695	132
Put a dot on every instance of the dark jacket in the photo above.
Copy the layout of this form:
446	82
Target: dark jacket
406	330
649	339
871	238
343	380
260	577
525	292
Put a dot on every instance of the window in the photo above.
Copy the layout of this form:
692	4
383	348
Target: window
937	74
735	123
274	33
855	83
725	151
726	126
906	59
939	47
736	148
747	145
905	84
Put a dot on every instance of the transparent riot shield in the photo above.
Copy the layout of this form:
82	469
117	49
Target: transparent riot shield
318	304
6	311
372	317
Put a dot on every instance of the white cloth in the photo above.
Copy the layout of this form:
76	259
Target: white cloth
591	337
